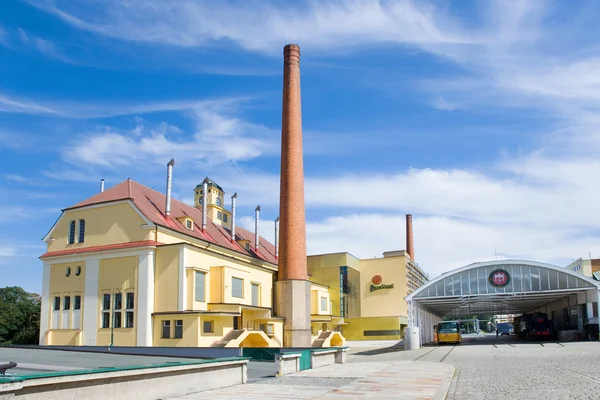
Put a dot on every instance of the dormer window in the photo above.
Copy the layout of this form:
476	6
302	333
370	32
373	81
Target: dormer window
71	232
189	224
247	246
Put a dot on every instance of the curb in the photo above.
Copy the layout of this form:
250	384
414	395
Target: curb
444	388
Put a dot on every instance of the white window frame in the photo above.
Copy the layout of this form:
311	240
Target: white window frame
254	285
66	313
178	325
129	310
212	326
56	312
232	287
196	287
166	323
323	299
77	312
106	311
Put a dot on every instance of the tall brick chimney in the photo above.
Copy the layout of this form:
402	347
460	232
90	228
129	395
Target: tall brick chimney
410	247
292	288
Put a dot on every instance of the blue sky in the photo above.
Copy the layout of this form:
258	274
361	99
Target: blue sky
479	118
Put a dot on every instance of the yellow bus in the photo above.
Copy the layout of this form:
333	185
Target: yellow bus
448	332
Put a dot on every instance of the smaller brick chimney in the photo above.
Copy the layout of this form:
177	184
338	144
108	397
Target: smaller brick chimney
410	248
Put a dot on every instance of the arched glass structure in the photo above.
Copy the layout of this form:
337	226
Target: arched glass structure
509	286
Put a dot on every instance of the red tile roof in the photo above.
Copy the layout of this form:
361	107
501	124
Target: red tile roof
93	249
152	204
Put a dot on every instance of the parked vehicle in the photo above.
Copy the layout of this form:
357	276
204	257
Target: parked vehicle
448	332
504	328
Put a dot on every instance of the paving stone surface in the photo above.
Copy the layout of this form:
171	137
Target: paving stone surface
512	369
402	380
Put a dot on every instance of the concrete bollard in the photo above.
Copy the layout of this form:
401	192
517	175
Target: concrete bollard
411	338
340	356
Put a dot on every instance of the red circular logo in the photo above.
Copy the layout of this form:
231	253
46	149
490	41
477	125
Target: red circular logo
377	280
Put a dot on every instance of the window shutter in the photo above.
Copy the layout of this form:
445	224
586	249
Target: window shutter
237	287
199	294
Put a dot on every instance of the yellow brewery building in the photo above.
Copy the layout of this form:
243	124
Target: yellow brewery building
130	266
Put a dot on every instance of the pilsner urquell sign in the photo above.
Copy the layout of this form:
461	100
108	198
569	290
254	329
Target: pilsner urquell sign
376	284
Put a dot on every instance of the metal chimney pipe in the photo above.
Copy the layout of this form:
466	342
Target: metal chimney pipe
276	237
410	247
101	185
233	216
169	182
204	199
256	219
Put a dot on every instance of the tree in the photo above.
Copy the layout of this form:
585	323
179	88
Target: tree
19	316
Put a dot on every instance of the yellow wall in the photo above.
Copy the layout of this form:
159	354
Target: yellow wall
110	224
66	337
356	327
316	292
61	286
221	325
191	330
117	275
226	268
166	279
384	302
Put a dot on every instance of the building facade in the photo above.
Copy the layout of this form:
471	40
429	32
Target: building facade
589	267
131	267
366	295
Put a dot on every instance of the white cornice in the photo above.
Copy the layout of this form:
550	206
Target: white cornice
98	255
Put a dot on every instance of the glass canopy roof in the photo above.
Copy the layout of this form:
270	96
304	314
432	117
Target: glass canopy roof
500	277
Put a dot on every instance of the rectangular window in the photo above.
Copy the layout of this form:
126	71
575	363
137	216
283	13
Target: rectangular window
199	289
255	294
323	303
207	327
67	304
129	319
178	329
117	319
71	232
118	301
106	310
56	303
237	287
81	230
106	319
77	305
129	303
166	331
189	224
219	215
224	217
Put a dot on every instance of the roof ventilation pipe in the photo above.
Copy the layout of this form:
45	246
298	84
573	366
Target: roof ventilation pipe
256	221
169	182
101	185
233	198
204	199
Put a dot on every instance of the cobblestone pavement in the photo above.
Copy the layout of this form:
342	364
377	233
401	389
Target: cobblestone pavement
510	369
401	380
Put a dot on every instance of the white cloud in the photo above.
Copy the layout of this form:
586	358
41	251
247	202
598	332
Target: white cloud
264	26
22	106
442	104
219	138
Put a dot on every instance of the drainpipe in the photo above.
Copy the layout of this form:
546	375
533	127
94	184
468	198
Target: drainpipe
276	237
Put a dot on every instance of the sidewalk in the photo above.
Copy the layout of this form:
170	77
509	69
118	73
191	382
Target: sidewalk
400	380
